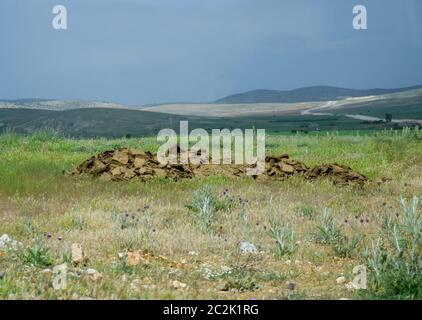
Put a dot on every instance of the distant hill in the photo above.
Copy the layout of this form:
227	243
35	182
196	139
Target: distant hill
308	94
361	110
87	122
60	105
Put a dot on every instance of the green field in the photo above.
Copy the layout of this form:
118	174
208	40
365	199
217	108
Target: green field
118	123
332	225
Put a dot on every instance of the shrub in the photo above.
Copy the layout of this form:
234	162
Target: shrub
306	211
39	255
328	233
395	258
126	220
204	204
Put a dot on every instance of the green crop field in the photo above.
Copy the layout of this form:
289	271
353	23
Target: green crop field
309	235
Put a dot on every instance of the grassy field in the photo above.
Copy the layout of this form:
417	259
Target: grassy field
309	234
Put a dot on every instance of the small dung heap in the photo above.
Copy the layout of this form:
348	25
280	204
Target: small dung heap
283	167
337	173
125	164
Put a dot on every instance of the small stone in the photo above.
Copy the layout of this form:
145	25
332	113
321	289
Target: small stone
2	275
47	271
179	285
351	286
78	255
149	286
94	275
135	285
60	278
133	258
122	255
222	286
8	243
341	280
193	253
247	247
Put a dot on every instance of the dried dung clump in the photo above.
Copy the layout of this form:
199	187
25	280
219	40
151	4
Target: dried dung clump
283	167
126	164
337	173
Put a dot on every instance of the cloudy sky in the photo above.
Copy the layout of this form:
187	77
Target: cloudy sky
151	51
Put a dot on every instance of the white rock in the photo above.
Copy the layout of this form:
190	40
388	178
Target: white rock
47	271
60	277
178	285
341	280
149	286
8	243
351	286
135	285
247	247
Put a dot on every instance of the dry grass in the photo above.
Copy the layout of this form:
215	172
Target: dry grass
36	199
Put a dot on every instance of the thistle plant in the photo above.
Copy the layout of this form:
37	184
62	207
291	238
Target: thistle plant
245	222
329	233
284	236
38	255
204	205
147	228
395	258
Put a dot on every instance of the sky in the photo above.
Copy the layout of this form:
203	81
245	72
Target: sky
156	51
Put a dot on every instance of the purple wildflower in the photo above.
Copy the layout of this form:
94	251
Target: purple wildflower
291	286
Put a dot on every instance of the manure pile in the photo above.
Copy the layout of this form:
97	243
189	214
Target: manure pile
126	164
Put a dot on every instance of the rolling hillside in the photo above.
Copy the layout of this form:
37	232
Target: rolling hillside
60	105
114	123
78	118
308	94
